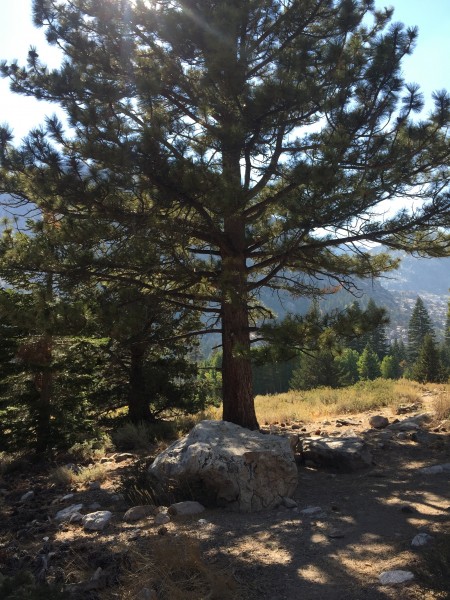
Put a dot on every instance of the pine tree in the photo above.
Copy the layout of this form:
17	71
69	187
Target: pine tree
389	368
347	367
446	343
428	368
368	364
419	326
377	338
191	126
316	369
399	356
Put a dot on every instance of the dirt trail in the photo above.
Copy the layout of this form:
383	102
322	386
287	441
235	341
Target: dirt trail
366	525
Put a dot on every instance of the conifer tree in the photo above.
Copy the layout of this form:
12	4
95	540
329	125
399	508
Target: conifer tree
399	356
428	368
368	364
316	369
254	140
347	367
419	326
389	367
446	343
377	337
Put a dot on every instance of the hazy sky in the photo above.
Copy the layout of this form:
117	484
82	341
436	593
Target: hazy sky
429	66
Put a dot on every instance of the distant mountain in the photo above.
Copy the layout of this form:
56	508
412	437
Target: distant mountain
420	275
396	291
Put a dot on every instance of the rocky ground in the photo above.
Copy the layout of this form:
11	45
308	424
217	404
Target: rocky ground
333	541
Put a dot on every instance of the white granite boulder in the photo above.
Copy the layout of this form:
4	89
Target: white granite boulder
233	467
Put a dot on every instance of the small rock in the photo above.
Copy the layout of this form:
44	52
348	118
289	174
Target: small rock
188	507
289	502
135	534
336	534
311	511
136	513
67	497
96	521
66	513
147	594
435	469
123	456
407	425
94	485
94	506
342	422
395	577
27	496
162	519
421	539
76	517
378	422
202	522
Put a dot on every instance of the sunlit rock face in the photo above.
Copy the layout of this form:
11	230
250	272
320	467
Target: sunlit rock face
229	466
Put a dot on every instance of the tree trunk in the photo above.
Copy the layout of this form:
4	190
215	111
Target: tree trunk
138	402
237	388
44	383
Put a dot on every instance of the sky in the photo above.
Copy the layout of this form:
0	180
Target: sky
429	65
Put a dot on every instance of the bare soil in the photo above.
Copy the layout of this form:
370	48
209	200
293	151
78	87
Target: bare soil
368	521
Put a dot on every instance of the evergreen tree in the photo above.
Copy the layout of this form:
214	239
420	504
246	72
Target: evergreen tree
377	337
191	125
316	369
347	367
389	367
428	368
148	347
368	364
51	383
419	326
446	343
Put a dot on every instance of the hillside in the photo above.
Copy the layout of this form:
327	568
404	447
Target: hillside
397	292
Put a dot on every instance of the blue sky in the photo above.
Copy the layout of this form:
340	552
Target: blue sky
429	66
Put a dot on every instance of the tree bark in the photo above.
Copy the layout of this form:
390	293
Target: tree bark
237	388
138	402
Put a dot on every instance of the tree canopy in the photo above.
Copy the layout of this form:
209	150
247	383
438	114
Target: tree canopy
245	143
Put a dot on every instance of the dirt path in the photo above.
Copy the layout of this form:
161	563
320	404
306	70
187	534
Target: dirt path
365	526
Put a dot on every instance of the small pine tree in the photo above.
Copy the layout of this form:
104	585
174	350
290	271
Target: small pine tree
347	367
428	368
419	326
368	364
389	367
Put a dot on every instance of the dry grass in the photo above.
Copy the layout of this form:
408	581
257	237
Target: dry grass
442	405
65	477
175	569
307	406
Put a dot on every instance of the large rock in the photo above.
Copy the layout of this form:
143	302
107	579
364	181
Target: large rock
343	454
230	466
